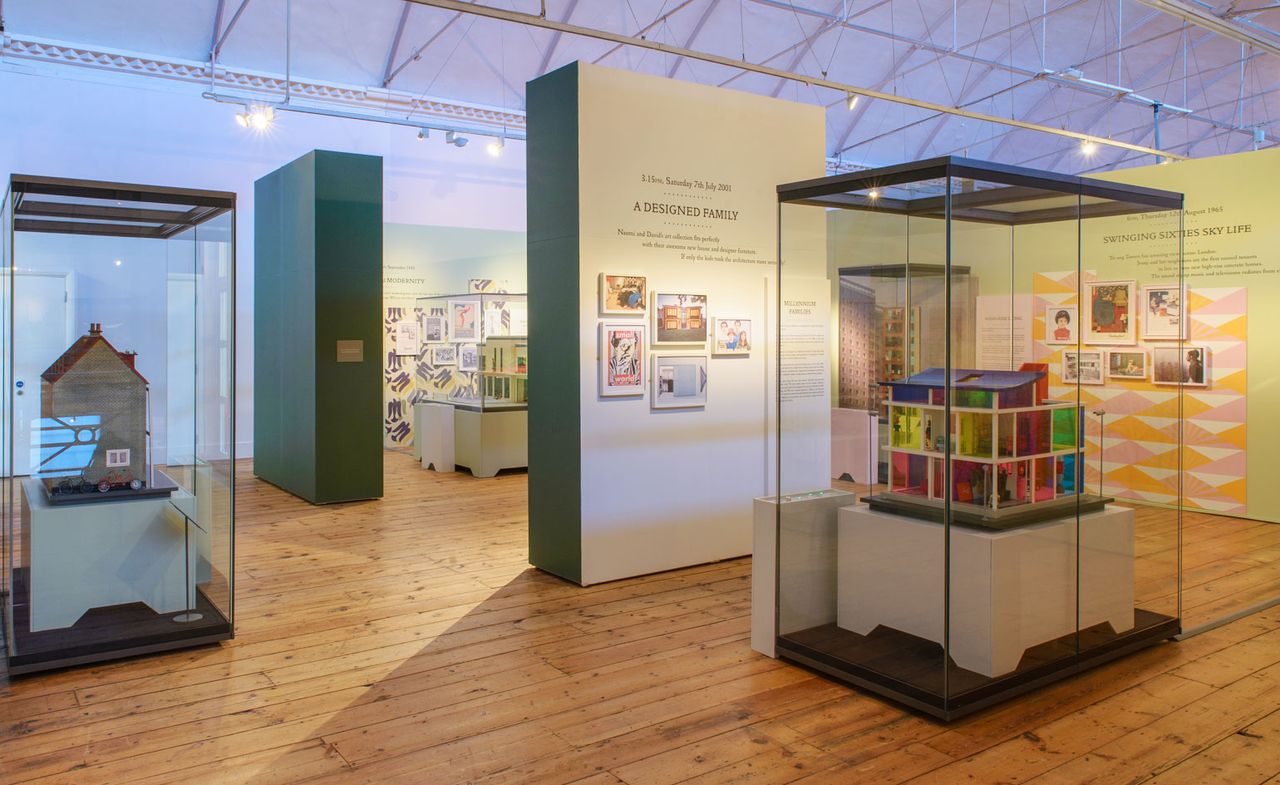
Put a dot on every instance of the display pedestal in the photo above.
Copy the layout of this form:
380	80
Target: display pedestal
491	440
854	444
433	435
805	532
1010	590
94	555
484	441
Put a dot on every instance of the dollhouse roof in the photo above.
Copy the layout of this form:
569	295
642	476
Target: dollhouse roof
969	379
80	348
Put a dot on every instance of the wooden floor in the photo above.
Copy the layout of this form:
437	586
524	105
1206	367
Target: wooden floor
407	641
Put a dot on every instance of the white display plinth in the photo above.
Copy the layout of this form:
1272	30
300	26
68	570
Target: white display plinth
854	444
806	533
433	435
1010	590
491	440
98	554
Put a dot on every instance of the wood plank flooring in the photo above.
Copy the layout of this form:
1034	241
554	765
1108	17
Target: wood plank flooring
407	641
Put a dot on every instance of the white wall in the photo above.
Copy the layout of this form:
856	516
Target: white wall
155	133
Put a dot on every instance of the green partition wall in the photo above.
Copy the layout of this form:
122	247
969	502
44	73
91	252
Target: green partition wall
318	327
555	460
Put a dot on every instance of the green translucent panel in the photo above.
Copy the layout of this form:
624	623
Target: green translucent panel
1007	433
973	434
972	399
905	422
1065	428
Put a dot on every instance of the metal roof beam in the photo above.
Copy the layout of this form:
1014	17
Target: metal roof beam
222	39
693	35
640	42
395	43
417	53
555	41
1203	17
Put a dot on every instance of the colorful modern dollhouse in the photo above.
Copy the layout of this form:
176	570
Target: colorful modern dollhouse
1011	447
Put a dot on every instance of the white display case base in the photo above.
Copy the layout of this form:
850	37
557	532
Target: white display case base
489	441
98	554
433	435
1010	590
806	531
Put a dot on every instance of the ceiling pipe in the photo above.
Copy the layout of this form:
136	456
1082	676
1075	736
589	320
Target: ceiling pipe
534	20
408	122
1203	17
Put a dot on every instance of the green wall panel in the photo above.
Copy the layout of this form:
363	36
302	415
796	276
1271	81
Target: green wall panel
555	458
318	280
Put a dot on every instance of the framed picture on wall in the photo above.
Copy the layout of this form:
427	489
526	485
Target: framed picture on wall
622	358
622	295
1186	364
1163	312
464	320
733	336
1111	317
444	355
435	329
1061	325
468	357
1081	366
679	318
1127	364
679	381
406	337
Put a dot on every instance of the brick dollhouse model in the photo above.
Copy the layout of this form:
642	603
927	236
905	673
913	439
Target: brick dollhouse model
93	395
1011	448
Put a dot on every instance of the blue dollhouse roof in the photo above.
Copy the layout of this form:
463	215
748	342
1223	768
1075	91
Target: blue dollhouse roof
968	379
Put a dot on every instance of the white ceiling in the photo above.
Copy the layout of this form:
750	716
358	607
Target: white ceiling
998	57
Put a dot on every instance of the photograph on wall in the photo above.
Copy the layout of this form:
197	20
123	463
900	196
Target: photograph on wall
1111	317
622	294
468	357
733	336
679	318
1061	325
1083	367
407	337
444	355
464	320
1162	312
621	358
679	381
1127	364
434	329
1185	364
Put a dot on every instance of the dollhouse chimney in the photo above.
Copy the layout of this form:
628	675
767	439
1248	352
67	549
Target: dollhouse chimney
95	328
129	358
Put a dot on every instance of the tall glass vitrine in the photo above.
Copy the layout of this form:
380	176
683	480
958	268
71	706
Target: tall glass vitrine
1029	368
118	441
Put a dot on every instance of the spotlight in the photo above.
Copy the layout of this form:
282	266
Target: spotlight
873	194
853	100
423	133
1088	147
118	262
494	148
259	118
454	139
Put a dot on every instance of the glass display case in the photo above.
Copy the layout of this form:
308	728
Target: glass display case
1026	519
118	446
474	350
